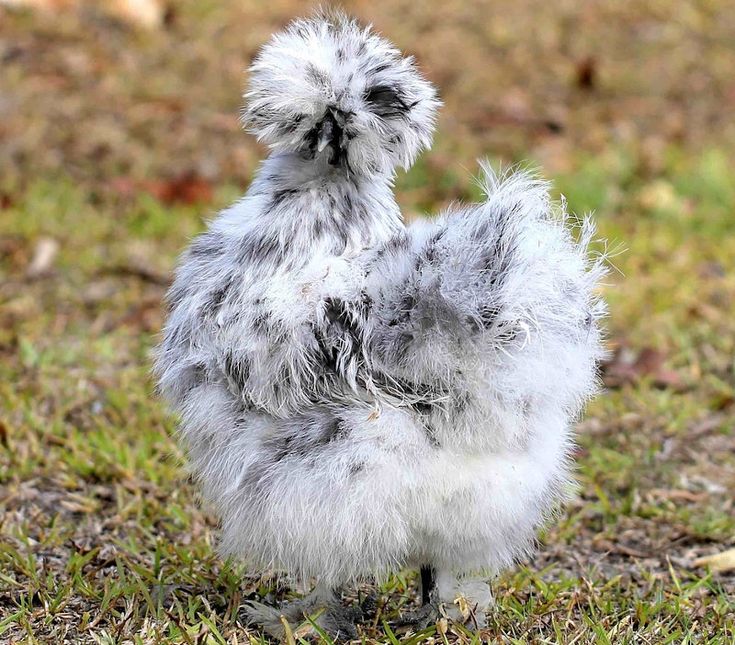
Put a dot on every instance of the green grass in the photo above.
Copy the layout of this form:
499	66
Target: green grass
102	537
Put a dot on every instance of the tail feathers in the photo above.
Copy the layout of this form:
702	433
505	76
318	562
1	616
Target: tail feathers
507	186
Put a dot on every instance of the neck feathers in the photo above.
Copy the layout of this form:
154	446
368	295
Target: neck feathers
305	209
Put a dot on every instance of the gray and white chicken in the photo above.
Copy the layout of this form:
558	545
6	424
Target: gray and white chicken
358	396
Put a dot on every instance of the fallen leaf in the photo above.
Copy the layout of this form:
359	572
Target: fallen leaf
442	626
659	195
144	13
724	561
43	257
649	361
138	270
667	379
706	425
463	606
3	434
188	188
627	367
621	549
587	73
14	249
124	186
677	495
42	5
146	317
149	14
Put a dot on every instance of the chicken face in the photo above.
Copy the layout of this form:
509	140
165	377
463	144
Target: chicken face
332	89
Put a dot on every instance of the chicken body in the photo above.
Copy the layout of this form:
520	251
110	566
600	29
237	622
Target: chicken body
358	396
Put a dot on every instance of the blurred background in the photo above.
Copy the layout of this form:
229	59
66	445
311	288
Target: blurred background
119	138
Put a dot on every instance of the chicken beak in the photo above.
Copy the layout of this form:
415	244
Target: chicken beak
327	133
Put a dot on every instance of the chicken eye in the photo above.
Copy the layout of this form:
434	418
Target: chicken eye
385	101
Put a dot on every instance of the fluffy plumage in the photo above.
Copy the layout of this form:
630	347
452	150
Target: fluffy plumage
358	396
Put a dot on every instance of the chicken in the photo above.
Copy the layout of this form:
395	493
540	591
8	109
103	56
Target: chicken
358	396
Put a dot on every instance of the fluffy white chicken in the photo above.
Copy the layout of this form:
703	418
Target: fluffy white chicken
358	397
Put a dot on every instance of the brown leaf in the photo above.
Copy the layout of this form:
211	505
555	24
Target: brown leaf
648	362
627	367
678	495
138	270
3	434
668	379
188	188
146	316
124	186
587	73
618	369
14	248
617	547
706	426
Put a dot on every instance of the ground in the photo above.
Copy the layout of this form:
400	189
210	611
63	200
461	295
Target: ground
118	143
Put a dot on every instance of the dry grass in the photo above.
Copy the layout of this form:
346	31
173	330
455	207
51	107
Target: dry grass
116	143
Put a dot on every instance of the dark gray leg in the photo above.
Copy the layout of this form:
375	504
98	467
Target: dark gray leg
428	613
428	582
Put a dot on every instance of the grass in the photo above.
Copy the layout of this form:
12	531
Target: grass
102	539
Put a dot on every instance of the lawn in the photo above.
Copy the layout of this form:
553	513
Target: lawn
118	143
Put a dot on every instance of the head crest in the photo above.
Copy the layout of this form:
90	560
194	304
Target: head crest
330	88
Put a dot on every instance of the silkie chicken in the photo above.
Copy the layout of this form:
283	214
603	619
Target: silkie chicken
358	396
